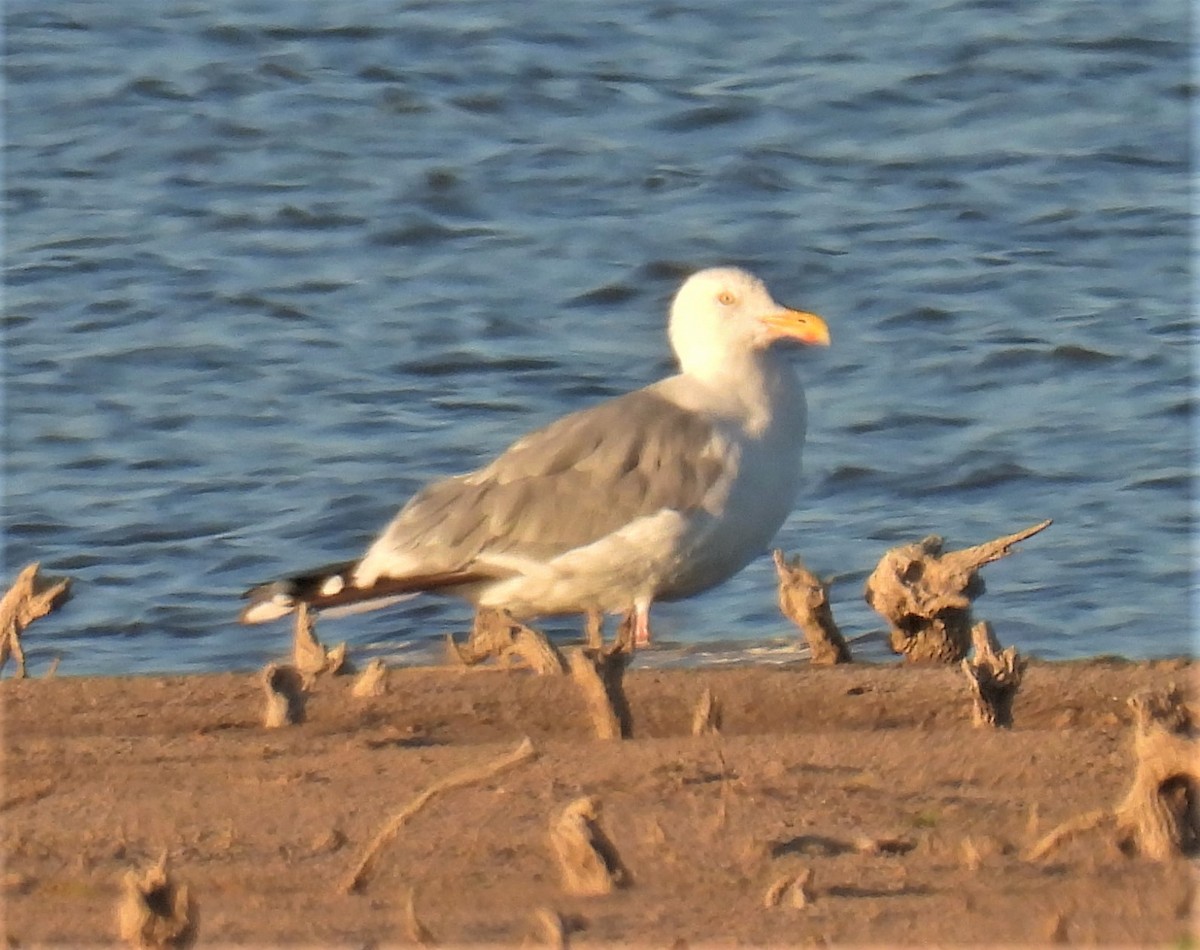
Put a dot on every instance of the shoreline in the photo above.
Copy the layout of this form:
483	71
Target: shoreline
785	651
912	826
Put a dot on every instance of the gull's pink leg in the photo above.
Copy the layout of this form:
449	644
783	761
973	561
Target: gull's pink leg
641	622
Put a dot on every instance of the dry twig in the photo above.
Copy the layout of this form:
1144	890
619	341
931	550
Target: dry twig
414	927
1068	830
470	775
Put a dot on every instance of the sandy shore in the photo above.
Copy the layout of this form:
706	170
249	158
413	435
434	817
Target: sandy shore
911	822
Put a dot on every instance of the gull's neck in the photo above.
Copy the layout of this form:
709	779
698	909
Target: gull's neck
756	386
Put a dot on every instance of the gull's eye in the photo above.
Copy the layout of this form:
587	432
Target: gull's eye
725	297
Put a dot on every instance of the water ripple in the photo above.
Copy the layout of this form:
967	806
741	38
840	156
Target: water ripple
270	267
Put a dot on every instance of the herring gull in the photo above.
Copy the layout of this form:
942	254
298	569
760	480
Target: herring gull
654	495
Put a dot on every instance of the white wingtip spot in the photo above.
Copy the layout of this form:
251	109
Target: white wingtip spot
267	610
333	585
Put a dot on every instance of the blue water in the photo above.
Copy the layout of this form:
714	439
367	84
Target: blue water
269	266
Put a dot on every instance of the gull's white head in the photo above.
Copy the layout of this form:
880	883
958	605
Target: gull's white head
724	314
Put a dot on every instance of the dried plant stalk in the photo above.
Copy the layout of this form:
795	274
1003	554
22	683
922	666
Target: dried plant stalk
706	720
29	598
593	629
286	695
372	681
804	600
794	888
994	676
154	911
925	595
551	927
309	657
1160	815
586	857
1161	812
600	676
496	634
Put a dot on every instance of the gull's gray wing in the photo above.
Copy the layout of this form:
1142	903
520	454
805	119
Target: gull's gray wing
565	485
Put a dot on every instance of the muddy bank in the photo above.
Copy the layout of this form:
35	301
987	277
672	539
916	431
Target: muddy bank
908	824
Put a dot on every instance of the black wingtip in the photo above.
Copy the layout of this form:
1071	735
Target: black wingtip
276	599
